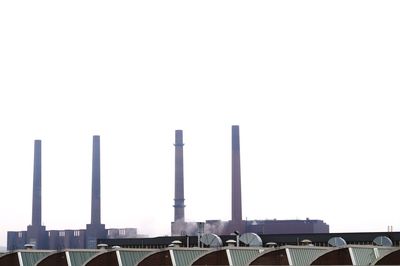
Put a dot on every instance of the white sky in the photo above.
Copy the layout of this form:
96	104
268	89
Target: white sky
314	86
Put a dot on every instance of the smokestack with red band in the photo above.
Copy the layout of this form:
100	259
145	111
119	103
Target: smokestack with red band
37	185
236	183
96	181
179	188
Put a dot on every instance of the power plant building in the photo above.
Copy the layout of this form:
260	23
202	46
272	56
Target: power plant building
37	235
236	224
213	242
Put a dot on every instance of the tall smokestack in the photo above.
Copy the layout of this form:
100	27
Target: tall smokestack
236	183
95	229
96	181
37	185
179	188
36	233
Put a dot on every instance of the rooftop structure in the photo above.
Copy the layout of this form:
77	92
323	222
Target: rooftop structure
306	252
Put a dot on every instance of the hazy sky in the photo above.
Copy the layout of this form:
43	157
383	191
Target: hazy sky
314	86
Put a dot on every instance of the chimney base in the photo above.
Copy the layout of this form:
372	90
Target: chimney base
94	232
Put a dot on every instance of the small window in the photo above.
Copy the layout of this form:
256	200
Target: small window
76	233
61	233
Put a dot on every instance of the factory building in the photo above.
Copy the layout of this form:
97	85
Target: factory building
180	227
37	235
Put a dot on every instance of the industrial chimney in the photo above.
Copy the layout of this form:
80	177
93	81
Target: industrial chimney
179	226
179	187
37	185
236	182
36	233
96	181
95	229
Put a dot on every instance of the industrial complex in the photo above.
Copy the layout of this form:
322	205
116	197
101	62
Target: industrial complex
37	235
210	242
181	227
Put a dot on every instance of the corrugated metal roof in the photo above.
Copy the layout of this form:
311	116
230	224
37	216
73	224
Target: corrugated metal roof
362	255
368	254
79	257
243	256
186	256
391	258
305	255
382	251
31	258
133	256
299	255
